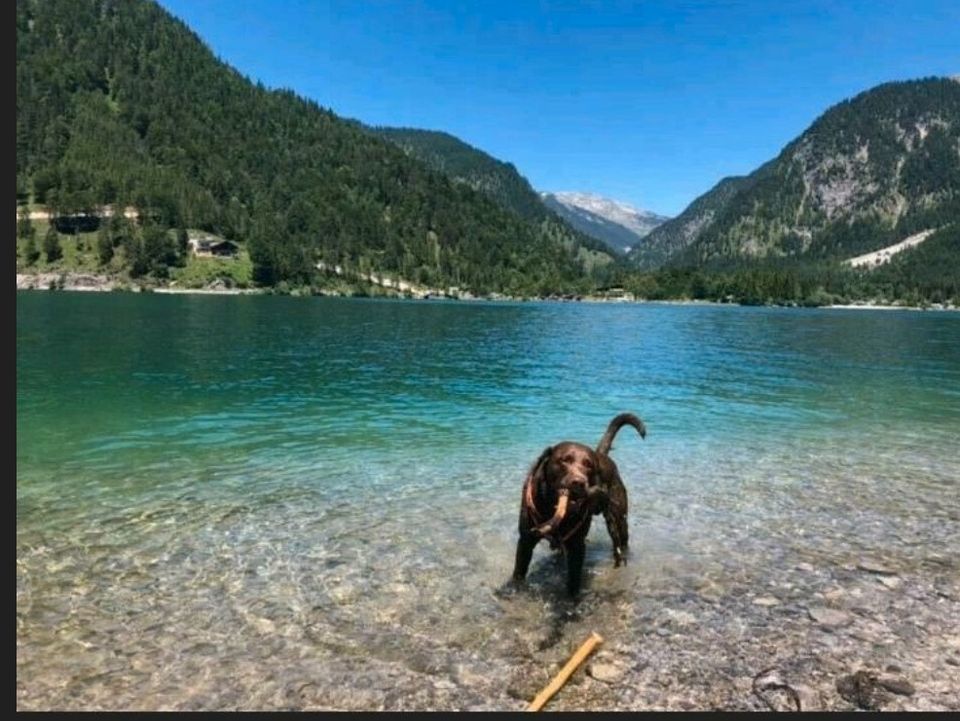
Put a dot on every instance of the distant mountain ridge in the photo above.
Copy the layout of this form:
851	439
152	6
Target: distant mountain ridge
869	172
498	180
620	225
463	162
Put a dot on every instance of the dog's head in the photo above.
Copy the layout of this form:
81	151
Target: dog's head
566	468
561	479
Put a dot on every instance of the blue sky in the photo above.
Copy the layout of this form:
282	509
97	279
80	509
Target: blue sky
648	102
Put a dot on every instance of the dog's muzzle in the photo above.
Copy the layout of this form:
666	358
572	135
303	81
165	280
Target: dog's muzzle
576	487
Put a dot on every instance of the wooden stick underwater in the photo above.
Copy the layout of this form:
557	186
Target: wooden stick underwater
566	672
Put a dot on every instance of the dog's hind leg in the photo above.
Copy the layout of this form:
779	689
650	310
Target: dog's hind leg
615	515
617	527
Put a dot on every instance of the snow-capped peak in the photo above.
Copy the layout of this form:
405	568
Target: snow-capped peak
639	221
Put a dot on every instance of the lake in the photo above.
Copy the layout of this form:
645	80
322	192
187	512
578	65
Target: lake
259	502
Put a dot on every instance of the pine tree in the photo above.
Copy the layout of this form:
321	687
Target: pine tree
157	250
136	258
104	244
51	245
25	227
183	246
30	252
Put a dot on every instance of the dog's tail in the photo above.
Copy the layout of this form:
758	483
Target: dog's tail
624	419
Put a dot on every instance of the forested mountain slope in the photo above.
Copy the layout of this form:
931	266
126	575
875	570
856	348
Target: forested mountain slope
870	171
677	233
120	103
499	180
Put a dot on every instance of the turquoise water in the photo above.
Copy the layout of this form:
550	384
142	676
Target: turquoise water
268	502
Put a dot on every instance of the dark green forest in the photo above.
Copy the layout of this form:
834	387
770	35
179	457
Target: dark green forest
456	159
501	182
929	273
119	103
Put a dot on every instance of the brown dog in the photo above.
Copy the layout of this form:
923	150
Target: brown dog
566	487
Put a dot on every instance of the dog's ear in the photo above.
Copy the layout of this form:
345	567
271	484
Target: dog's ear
538	469
540	465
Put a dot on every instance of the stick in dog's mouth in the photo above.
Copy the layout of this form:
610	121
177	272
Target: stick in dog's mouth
558	515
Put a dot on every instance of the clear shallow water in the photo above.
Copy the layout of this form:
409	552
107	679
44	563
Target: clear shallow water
259	502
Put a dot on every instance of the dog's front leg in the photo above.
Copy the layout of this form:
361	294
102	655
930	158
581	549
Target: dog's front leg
576	551
525	546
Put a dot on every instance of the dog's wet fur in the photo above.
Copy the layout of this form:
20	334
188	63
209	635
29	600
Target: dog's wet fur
592	482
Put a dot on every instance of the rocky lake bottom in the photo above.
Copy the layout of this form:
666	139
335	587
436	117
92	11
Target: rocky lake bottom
246	503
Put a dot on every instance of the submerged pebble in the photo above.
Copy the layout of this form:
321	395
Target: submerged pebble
829	617
606	672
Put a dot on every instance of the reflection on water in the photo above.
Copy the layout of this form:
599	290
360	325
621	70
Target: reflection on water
285	503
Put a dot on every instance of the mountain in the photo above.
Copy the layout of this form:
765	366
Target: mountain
677	233
120	103
467	164
498	180
619	225
867	173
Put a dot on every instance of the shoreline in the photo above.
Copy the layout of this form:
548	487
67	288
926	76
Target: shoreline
207	291
97	283
94	283
878	306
